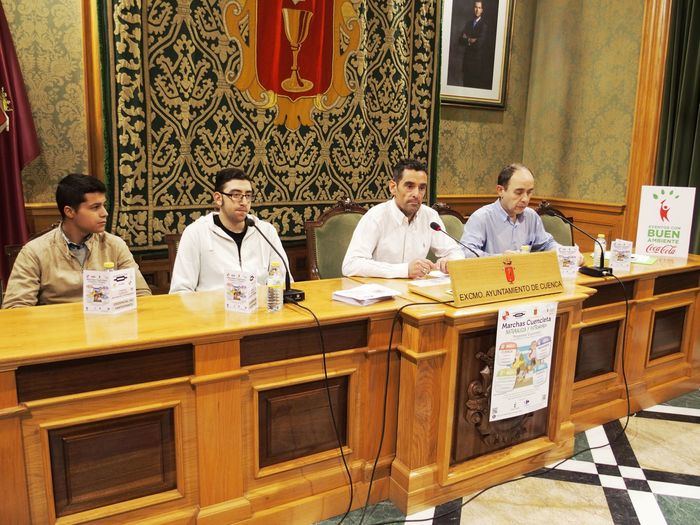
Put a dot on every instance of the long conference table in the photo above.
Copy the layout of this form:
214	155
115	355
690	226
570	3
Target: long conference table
182	412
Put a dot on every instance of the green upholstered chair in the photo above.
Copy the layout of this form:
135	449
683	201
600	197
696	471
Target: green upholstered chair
453	220
328	237
562	232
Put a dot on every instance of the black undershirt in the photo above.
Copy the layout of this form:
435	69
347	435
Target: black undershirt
237	237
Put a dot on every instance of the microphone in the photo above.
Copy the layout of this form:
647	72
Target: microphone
593	271
435	226
291	295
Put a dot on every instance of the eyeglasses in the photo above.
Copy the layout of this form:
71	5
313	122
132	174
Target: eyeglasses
237	196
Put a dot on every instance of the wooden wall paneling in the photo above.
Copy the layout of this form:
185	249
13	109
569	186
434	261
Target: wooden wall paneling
106	408
647	113
218	393
14	503
40	216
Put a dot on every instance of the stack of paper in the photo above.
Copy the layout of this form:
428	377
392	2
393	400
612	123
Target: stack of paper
365	294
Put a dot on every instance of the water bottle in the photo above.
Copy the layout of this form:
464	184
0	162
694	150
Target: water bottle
596	250
275	288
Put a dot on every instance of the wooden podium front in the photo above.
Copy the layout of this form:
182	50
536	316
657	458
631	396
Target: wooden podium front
446	446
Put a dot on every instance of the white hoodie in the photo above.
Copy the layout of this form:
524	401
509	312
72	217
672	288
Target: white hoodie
205	252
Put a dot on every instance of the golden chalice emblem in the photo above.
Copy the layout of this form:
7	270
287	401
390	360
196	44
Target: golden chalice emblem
296	28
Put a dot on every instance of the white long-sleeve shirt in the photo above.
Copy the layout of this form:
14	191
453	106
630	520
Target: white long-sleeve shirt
205	252
385	242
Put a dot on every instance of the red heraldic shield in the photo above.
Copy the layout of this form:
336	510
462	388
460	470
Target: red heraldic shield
294	46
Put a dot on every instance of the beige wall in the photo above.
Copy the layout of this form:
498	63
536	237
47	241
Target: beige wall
580	109
48	41
570	105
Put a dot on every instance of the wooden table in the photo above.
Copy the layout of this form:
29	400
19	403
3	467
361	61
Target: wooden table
182	412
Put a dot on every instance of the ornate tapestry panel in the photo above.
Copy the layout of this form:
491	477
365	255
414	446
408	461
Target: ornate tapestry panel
195	88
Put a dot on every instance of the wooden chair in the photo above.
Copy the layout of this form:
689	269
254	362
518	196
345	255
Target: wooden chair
562	232
12	250
172	241
328	237
453	220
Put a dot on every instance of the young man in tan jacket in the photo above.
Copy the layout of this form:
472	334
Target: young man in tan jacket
49	269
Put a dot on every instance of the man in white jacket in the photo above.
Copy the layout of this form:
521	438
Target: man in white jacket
222	241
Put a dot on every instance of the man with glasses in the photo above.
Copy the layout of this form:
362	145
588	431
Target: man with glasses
220	242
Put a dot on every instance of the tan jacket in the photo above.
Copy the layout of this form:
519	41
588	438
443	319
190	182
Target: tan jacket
45	272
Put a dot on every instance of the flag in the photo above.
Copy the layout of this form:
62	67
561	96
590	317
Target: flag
19	145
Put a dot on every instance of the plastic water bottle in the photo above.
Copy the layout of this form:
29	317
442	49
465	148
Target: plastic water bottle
596	250
275	288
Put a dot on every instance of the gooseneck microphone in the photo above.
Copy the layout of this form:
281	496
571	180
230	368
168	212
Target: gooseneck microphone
291	295
435	226
593	271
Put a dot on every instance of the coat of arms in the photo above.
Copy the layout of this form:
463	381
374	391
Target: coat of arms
293	54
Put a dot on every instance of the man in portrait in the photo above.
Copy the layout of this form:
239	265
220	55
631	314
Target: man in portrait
474	37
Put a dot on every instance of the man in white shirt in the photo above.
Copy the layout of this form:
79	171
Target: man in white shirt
393	238
220	242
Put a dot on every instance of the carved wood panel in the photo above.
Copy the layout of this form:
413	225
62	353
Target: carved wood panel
667	335
294	421
473	434
597	346
104	462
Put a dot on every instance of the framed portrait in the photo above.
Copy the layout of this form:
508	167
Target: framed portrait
475	52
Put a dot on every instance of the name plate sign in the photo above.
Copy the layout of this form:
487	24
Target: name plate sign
498	278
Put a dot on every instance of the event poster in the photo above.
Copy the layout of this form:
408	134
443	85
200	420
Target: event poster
665	221
523	359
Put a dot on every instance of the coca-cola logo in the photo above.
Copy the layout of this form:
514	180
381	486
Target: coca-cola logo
666	249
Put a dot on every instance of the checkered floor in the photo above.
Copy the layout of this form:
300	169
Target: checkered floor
649	475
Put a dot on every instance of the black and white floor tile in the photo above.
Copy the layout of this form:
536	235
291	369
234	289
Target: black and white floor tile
648	475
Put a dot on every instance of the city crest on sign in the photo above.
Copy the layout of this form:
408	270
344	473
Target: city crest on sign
293	54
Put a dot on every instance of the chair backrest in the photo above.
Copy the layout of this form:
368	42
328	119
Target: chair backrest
453	220
328	237
562	232
12	250
172	241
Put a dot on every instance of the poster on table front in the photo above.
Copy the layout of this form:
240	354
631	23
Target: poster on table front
665	221
523	359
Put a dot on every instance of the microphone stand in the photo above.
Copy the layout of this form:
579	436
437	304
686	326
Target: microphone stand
291	295
435	226
593	271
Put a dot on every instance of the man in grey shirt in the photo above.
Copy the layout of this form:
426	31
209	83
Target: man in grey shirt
508	224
